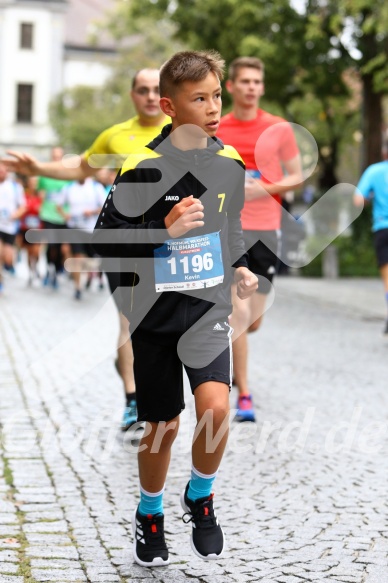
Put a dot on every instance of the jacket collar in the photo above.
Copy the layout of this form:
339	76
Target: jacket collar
162	145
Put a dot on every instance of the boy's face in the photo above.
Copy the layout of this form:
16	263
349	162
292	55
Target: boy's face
247	88
197	103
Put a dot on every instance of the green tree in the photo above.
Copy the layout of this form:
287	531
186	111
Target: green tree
358	33
300	50
304	79
79	114
254	28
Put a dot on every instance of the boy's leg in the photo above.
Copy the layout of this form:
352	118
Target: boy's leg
210	438
211	434
149	547
159	379
155	453
210	385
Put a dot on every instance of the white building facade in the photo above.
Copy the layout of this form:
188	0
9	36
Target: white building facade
43	50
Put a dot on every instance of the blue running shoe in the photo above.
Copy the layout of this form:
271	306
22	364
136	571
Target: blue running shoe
245	410
130	415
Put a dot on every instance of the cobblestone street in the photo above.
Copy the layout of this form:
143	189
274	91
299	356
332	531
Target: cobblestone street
301	494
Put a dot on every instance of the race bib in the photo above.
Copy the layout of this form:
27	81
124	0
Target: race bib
190	263
32	222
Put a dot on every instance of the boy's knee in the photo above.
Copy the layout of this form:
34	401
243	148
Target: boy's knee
216	413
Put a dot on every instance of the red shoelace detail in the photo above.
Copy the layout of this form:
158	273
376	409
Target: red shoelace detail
153	526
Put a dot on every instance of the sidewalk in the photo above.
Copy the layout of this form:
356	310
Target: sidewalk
362	296
301	495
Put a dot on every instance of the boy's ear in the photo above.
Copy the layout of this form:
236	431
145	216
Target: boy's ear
228	85
167	106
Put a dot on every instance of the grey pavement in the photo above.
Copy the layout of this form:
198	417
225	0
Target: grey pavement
301	495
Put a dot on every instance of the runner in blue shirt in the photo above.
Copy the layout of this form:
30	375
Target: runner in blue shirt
373	186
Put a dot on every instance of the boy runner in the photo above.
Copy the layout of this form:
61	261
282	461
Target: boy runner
176	206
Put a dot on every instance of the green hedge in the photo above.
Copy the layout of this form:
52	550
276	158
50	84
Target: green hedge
356	259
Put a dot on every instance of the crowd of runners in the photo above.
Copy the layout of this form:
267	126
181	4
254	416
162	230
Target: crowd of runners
28	202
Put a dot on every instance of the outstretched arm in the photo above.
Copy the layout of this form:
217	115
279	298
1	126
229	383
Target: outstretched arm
74	168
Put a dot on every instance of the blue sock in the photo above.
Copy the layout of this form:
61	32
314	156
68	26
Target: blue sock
151	503
200	485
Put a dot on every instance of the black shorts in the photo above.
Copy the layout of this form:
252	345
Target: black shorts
83	249
263	250
380	238
48	225
6	238
205	353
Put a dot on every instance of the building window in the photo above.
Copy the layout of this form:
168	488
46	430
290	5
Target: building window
24	103
26	35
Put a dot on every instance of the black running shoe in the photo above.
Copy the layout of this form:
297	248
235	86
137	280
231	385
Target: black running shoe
207	539
149	546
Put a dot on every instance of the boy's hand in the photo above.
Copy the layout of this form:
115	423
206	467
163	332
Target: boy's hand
184	216
247	282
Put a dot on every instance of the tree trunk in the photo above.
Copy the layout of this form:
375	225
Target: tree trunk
372	123
328	176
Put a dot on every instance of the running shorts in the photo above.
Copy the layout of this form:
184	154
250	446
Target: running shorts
381	246
204	351
261	259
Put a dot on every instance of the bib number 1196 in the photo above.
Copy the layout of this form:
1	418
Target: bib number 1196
195	263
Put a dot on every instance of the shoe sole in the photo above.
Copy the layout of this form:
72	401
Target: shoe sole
212	556
157	562
244	415
241	419
128	426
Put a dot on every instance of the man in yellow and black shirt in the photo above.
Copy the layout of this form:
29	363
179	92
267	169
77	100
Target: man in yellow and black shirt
110	149
112	146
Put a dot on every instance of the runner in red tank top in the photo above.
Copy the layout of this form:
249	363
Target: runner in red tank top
267	145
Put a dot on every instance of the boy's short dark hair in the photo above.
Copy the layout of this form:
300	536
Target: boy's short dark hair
240	62
189	66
